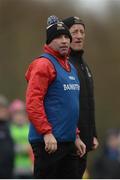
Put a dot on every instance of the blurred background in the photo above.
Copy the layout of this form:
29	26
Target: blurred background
22	35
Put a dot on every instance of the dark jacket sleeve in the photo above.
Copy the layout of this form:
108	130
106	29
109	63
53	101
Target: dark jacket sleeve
92	102
94	124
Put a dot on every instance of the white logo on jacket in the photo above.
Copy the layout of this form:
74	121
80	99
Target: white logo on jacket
71	87
71	77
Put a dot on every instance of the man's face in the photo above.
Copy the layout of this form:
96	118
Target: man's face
78	35
61	44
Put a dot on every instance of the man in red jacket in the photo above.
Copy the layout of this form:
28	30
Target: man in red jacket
52	103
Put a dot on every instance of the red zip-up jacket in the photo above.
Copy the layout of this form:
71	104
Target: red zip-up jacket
40	74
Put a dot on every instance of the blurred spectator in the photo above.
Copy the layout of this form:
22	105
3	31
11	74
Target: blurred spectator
19	130
6	142
107	166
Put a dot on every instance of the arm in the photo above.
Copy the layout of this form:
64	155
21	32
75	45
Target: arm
39	77
81	147
95	140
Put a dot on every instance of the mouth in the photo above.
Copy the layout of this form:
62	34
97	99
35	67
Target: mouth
79	42
64	47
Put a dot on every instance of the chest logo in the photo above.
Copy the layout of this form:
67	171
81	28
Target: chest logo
71	77
74	87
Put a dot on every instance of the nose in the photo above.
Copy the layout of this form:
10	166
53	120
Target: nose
79	35
64	39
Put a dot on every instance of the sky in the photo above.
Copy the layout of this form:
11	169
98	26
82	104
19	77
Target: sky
99	8
94	5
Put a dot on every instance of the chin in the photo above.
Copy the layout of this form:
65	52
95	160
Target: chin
64	53
78	48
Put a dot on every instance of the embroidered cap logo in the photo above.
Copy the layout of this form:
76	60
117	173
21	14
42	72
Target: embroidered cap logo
76	20
60	26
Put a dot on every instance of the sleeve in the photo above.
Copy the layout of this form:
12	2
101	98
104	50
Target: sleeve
77	131
93	107
41	75
94	127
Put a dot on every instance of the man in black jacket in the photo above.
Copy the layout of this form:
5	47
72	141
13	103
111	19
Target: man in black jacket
87	108
6	142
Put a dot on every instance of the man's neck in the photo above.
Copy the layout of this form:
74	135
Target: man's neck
74	52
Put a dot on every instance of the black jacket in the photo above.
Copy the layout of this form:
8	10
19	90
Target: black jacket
87	107
6	151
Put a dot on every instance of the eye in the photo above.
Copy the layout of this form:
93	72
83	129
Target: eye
66	36
74	32
82	32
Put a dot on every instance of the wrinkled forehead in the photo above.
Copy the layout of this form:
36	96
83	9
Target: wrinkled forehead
77	27
61	36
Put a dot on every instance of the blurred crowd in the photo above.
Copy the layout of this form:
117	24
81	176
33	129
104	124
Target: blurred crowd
107	165
16	158
15	151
